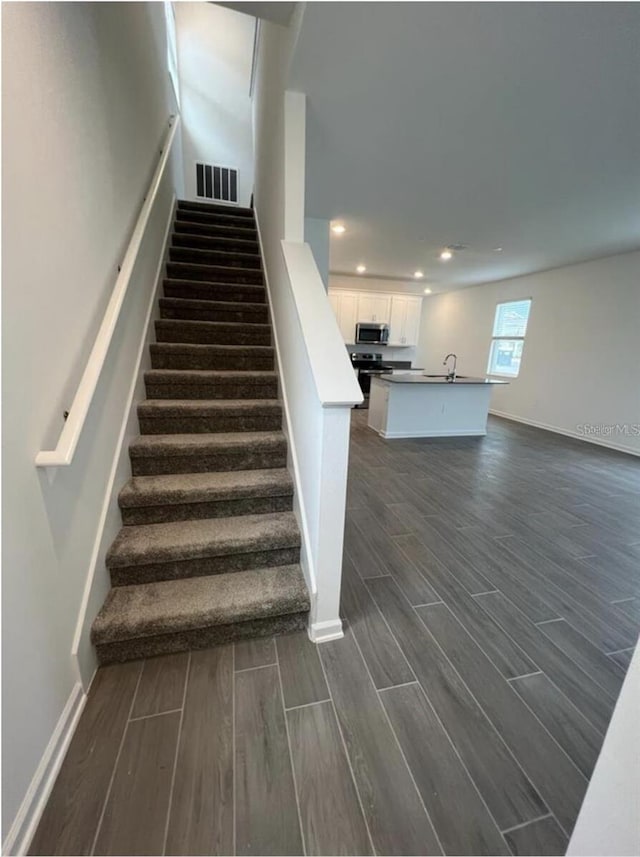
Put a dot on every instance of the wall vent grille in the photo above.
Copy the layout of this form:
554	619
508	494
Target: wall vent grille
217	183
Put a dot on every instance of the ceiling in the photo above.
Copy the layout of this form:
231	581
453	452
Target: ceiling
512	125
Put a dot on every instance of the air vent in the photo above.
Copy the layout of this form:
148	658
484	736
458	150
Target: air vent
218	183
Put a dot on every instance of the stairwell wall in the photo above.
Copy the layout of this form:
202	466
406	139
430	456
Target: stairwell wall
86	98
215	47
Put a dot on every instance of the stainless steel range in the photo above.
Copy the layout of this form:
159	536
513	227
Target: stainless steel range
367	365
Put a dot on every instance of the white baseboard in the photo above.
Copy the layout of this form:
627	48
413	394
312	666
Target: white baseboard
618	447
26	821
306	556
391	435
118	452
324	632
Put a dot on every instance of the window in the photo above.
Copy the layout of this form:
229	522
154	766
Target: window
509	329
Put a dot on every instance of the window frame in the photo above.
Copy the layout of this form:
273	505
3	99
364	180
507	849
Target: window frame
510	338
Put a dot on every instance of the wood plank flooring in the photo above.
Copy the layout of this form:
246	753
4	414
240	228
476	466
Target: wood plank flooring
491	597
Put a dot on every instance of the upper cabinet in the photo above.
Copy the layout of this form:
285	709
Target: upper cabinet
345	307
374	308
404	325
400	312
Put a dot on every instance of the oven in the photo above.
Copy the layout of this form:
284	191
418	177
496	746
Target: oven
366	366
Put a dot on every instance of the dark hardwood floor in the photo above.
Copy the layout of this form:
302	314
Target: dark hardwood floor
492	601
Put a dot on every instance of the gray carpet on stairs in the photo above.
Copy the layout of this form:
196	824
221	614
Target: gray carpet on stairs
210	546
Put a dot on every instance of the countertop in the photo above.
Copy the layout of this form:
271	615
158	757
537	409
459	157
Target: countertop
403	378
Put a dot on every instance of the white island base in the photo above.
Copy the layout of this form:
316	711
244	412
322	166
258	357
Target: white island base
429	409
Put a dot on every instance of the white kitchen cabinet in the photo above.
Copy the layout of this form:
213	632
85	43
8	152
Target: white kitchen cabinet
374	308
404	324
345	307
400	312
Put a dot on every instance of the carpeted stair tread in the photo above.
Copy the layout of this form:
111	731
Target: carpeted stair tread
221	306
212	376
212	332
205	487
216	208
223	258
199	602
244	231
215	242
193	356
196	309
201	290
205	415
214	273
183	540
169	445
151	408
214	218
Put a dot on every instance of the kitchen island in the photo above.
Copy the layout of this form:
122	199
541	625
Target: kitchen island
412	405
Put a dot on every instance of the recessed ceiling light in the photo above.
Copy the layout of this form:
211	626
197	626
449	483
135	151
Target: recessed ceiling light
361	269
427	291
497	249
418	275
338	228
446	255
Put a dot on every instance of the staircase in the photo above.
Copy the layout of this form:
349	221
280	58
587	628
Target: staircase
210	547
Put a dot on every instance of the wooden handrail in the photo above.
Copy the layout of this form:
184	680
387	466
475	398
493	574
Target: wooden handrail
62	455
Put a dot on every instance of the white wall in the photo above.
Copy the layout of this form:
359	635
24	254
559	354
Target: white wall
582	350
215	49
608	820
86	100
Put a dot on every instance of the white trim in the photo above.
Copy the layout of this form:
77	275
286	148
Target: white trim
390	435
63	454
324	632
306	557
82	614
618	447
28	817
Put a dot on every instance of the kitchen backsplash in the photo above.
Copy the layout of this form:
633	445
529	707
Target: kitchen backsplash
388	354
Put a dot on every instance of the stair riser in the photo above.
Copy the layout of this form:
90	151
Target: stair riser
240	363
230	293
210	424
238	231
215	257
206	462
214	242
215	219
216	208
133	516
230	316
175	331
202	638
153	572
214	273
218	390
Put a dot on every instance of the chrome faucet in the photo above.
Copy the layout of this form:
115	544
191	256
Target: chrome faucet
451	375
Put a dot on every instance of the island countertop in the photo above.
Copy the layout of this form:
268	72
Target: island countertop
406	378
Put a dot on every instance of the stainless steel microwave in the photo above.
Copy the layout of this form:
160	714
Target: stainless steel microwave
372	334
